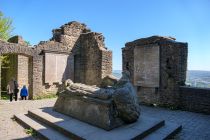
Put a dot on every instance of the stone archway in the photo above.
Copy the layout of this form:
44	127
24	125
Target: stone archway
23	56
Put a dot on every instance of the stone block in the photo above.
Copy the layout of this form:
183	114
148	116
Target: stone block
94	111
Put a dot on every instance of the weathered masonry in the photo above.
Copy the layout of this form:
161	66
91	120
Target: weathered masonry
74	52
158	68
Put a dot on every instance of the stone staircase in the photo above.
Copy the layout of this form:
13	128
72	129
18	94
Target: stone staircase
56	126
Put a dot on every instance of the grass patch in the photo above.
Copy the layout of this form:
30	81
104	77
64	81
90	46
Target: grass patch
4	96
46	96
31	132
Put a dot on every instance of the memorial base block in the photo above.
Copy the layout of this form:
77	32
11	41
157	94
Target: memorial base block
97	112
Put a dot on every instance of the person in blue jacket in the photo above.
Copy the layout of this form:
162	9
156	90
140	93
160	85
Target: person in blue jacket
24	92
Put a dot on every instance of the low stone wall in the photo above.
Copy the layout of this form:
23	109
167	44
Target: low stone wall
195	99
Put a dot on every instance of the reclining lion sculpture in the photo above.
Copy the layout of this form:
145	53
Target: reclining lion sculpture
106	108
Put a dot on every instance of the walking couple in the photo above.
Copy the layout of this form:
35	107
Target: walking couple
12	90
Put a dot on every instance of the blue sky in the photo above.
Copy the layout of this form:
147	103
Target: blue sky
120	21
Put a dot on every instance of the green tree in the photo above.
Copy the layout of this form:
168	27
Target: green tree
5	33
5	27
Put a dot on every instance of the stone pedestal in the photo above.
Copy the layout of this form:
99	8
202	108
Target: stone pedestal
95	111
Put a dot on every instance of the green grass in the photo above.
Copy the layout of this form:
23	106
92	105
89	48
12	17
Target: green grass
4	95
30	131
48	96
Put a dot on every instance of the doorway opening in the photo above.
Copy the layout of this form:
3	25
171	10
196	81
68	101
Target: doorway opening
16	66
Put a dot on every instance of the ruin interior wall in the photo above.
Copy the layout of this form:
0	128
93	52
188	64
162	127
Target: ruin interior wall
91	59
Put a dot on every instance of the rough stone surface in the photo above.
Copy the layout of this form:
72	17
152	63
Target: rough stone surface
127	110
146	72
17	39
125	99
195	99
109	80
172	69
89	61
92	61
113	105
88	103
172	74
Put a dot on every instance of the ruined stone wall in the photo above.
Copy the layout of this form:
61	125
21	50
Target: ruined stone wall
91	59
63	40
85	57
195	99
69	33
106	66
30	77
173	60
22	70
172	69
17	39
16	49
74	39
128	60
40	89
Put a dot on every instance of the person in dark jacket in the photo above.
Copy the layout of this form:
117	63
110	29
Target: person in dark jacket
24	92
16	90
12	89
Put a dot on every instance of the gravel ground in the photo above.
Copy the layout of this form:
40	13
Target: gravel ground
10	129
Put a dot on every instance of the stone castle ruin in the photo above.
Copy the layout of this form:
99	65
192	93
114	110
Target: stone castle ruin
74	52
76	64
157	66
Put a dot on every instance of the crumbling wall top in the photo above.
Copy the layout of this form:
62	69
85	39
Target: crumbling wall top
98	37
150	40
73	28
17	39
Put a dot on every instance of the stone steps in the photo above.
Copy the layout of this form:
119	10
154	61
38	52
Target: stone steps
165	132
43	130
145	128
56	121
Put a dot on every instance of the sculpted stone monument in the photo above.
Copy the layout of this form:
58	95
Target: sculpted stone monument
106	108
